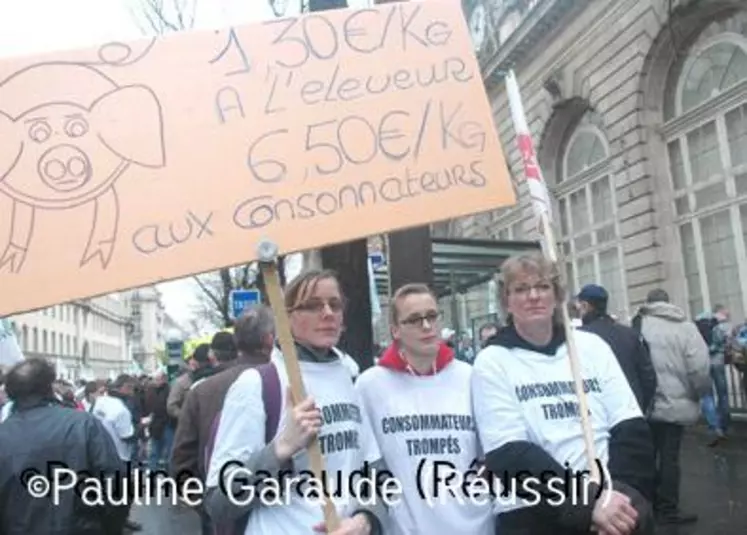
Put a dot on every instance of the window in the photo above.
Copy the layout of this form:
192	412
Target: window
586	210
707	159
511	232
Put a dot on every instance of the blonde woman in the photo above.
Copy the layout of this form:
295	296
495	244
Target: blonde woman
529	423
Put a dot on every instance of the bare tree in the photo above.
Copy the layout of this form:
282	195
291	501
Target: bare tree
163	16
214	305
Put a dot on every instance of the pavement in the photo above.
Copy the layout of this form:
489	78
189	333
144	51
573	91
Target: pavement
166	519
714	486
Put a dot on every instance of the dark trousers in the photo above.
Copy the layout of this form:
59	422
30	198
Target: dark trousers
667	441
206	524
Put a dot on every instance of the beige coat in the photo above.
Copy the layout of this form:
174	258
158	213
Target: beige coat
177	394
680	357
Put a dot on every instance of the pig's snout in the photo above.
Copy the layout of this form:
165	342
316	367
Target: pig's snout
64	168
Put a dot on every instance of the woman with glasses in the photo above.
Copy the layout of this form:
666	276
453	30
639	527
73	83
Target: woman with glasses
418	400
528	418
331	413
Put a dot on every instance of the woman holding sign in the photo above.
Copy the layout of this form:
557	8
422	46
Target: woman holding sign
418	398
529	422
260	477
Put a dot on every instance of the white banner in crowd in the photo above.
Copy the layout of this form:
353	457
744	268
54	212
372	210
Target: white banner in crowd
10	351
374	294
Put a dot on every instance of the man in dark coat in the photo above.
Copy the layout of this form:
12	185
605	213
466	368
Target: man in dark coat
162	425
629	347
40	430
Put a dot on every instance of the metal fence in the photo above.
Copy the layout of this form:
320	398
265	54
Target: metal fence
737	393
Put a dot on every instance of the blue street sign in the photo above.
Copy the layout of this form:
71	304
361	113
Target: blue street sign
377	259
241	299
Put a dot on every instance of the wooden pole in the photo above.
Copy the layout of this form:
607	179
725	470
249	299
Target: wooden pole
268	265
551	253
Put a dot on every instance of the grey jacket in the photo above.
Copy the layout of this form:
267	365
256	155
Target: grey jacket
680	357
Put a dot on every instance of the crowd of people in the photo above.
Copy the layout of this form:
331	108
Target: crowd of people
510	412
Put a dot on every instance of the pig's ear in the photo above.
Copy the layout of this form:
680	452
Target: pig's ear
11	145
129	122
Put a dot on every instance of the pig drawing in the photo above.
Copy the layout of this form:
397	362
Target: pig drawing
67	133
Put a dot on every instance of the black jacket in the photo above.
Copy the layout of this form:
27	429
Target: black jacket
40	433
632	353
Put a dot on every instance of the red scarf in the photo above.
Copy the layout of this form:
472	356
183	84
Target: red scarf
393	359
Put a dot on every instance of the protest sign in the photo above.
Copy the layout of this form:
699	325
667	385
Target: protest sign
143	162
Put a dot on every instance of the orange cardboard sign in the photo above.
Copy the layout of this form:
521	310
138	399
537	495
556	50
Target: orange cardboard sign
144	162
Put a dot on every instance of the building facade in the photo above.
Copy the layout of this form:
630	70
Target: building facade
148	318
639	112
85	339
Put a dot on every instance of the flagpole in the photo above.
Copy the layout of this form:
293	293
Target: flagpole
542	207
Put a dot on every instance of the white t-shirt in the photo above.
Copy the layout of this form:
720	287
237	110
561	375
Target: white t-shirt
520	394
117	420
5	411
427	418
346	441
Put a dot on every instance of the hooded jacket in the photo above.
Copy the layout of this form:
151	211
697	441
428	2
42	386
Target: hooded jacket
680	357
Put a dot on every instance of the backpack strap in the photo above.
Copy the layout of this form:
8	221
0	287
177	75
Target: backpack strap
272	398
211	441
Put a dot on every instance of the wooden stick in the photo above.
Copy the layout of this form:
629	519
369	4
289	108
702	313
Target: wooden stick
298	392
583	403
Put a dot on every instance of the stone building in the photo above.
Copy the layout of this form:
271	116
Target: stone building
639	112
148	316
84	339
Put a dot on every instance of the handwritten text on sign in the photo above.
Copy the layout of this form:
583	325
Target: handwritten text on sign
142	162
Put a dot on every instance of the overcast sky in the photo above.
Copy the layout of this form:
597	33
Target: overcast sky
37	26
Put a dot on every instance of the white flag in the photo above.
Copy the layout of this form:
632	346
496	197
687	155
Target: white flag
538	193
373	294
10	351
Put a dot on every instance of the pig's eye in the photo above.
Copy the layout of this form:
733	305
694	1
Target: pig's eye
39	131
76	127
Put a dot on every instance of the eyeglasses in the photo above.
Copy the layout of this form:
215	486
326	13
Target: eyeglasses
318	305
419	320
523	290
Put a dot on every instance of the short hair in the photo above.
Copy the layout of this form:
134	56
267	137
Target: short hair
30	378
414	288
91	388
202	353
123	380
533	262
223	346
718	308
252	328
303	286
657	296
